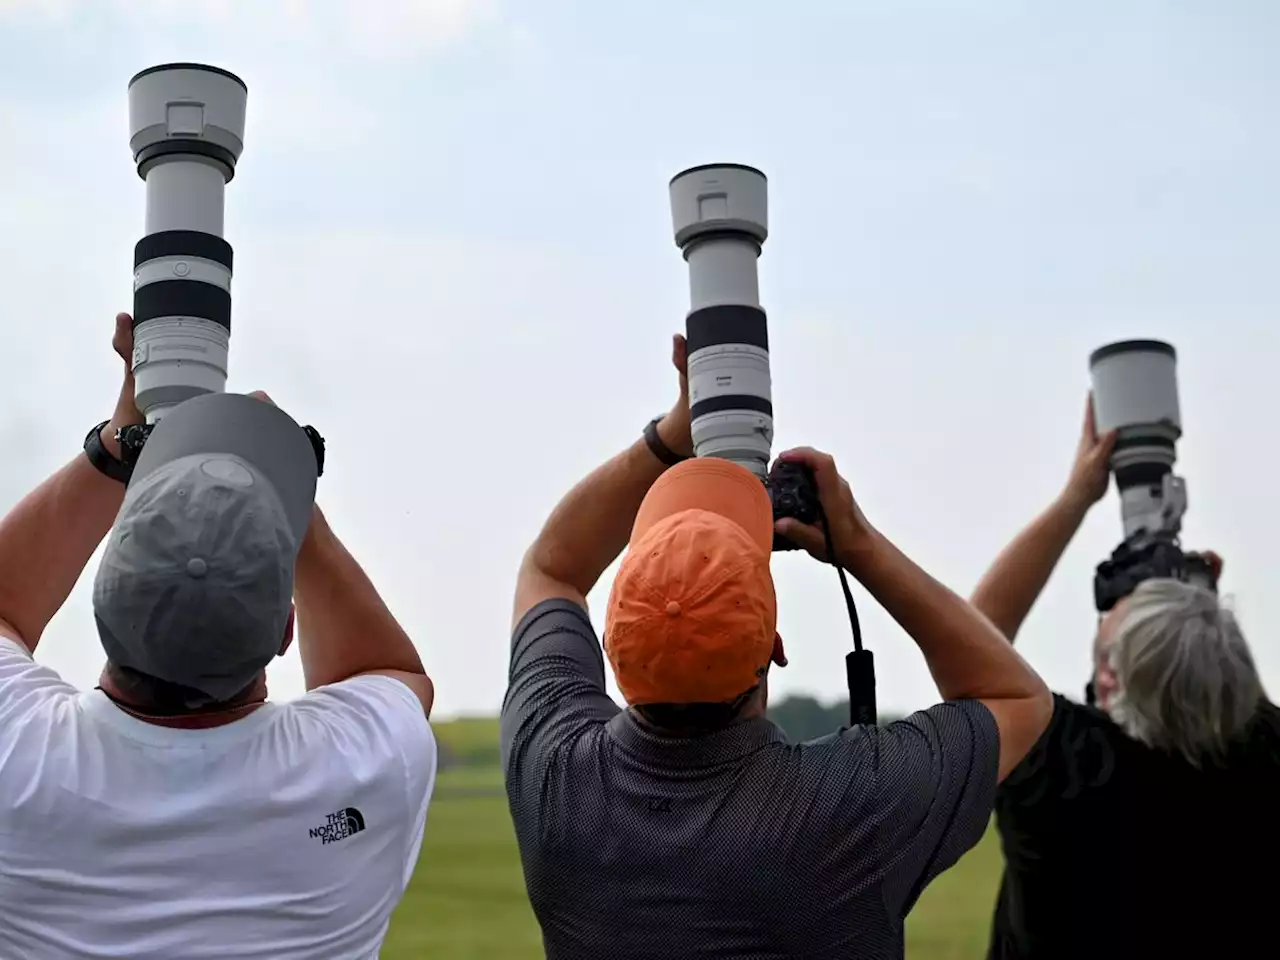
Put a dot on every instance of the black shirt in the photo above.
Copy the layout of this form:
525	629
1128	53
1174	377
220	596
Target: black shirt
736	844
1113	849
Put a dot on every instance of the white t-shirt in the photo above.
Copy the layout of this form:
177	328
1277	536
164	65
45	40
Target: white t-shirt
288	834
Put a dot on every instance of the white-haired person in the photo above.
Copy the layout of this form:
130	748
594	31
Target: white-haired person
1145	822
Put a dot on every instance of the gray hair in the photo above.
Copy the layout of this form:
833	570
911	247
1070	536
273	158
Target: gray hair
1187	681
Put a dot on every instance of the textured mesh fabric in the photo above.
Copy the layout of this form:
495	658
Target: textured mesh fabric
737	844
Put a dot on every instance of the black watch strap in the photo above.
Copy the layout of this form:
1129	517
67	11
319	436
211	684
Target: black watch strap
102	458
660	449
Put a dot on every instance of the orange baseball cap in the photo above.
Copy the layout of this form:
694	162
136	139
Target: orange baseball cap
692	616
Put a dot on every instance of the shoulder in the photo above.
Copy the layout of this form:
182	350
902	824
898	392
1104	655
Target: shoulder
915	794
950	748
963	719
378	701
1076	752
1073	727
42	730
551	618
26	685
554	643
954	731
380	692
556	686
374	717
1259	747
909	758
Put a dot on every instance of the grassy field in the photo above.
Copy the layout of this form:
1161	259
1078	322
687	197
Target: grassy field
467	901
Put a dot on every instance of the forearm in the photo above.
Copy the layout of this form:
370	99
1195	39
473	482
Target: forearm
47	539
1007	591
344	627
967	656
589	528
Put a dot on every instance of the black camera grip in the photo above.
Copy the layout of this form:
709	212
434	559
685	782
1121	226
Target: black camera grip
860	670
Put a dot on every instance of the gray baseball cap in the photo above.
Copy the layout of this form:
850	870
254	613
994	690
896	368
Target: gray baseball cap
196	580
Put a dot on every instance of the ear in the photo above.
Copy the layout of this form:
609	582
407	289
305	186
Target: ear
288	631
1215	565
779	656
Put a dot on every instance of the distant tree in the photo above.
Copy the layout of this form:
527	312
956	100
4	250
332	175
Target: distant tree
805	718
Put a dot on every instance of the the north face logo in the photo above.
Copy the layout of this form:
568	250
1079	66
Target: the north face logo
339	826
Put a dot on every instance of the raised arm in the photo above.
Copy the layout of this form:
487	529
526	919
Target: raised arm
344	628
968	657
1008	590
48	537
590	526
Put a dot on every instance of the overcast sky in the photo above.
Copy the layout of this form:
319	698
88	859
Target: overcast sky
454	256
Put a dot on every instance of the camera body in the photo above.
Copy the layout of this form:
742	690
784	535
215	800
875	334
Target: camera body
794	495
1146	557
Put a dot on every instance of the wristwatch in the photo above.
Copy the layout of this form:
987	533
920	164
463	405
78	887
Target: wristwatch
106	462
660	449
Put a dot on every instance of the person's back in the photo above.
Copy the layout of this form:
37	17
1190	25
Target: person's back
1142	824
289	833
173	812
686	825
737	843
1166	860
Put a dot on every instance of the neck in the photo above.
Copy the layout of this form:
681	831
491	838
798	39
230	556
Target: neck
676	730
136	704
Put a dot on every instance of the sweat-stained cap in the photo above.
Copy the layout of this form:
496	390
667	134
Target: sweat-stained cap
692	615
196	582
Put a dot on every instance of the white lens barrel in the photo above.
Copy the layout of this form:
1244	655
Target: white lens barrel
186	196
1135	392
186	124
723	270
719	214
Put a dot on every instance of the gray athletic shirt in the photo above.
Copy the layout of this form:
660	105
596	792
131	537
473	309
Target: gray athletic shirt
736	844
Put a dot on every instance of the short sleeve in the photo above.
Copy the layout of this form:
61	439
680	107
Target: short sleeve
378	715
935	789
555	690
25	684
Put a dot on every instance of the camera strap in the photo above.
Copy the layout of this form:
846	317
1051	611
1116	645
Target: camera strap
859	665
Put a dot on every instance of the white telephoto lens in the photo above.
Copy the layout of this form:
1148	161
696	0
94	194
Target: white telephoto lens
186	123
1135	392
719	213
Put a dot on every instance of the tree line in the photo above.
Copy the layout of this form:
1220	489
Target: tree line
805	718
473	741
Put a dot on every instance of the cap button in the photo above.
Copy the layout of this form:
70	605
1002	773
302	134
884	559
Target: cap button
673	609
197	568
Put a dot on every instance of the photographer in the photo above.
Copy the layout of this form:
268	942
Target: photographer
1140	825
172	812
686	825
